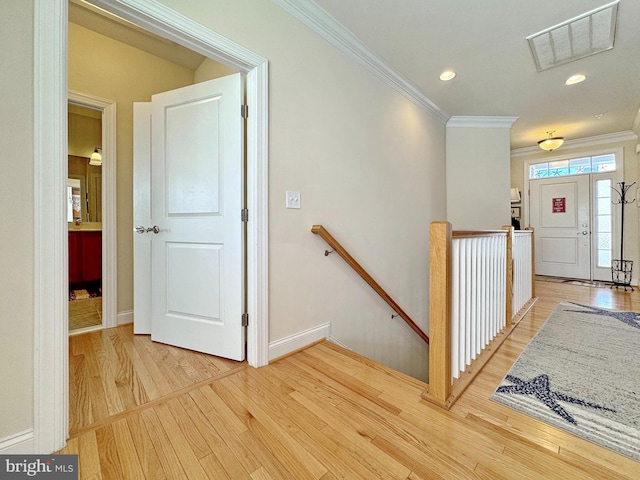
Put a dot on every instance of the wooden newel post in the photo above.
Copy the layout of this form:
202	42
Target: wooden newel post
509	277
440	313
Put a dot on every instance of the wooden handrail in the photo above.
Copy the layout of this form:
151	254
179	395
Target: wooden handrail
477	233
339	249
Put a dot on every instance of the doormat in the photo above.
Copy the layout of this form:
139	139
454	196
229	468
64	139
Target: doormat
573	281
581	373
83	294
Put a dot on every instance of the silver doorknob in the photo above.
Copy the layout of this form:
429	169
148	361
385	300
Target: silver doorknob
140	229
584	232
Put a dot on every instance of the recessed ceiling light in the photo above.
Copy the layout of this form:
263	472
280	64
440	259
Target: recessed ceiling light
447	75
573	79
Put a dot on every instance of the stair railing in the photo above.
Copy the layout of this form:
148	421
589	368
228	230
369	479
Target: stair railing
342	252
471	302
523	270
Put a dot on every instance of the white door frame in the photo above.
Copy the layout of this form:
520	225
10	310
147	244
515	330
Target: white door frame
618	176
109	206
50	367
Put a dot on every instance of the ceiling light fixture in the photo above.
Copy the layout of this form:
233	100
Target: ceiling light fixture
447	75
551	143
96	158
573	79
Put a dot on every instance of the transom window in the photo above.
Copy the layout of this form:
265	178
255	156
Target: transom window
574	166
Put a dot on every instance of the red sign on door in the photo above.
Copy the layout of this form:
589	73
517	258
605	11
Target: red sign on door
559	205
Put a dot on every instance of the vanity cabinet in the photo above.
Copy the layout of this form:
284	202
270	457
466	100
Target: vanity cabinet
85	256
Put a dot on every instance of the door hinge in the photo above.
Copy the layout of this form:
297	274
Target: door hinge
244	111
245	215
245	319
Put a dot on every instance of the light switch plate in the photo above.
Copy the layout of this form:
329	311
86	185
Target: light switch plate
292	199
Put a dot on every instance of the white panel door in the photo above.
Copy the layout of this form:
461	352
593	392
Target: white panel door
141	217
560	216
197	194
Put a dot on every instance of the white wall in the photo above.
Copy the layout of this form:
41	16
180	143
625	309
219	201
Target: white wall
16	217
368	163
478	180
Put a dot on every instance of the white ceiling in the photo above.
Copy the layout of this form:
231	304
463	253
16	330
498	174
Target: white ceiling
484	41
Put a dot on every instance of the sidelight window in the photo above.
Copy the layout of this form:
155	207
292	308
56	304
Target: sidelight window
603	219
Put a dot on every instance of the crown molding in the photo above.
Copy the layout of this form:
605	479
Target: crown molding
481	122
618	137
318	20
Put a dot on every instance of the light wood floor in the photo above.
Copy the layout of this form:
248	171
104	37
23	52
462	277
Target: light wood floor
143	410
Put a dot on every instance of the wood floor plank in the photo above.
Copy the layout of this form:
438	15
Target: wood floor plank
110	466
148	382
181	446
276	429
261	474
426	466
607	465
166	364
95	388
225	427
107	367
545	464
343	385
131	468
213	468
149	361
88	456
146	452
196	441
232	460
267	459
128	384
80	409
353	440
162	445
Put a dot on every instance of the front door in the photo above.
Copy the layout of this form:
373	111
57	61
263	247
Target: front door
197	194
561	218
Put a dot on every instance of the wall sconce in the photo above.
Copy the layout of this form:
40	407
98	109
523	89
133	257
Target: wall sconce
96	158
515	195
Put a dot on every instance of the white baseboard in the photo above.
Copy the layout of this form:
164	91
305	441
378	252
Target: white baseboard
125	317
19	443
339	343
297	341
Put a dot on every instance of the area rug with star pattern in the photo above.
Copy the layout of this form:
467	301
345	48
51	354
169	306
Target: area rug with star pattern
581	373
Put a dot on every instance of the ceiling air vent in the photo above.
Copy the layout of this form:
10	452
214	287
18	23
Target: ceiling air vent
587	34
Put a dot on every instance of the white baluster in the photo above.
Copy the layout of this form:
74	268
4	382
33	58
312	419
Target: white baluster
455	308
